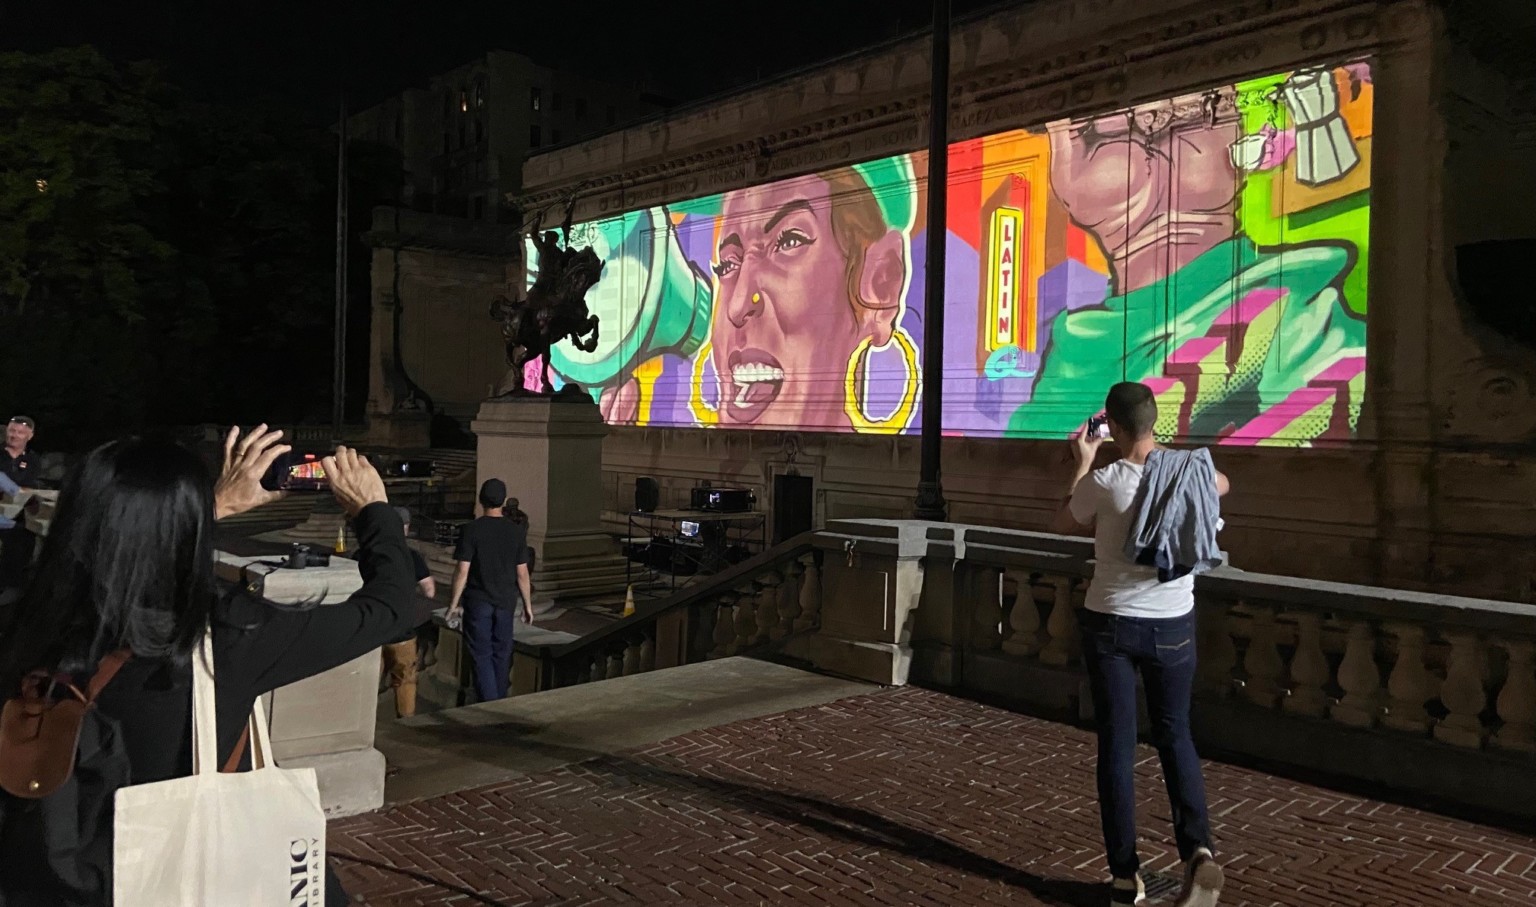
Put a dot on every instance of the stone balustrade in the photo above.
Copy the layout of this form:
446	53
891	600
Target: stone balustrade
1427	693
765	604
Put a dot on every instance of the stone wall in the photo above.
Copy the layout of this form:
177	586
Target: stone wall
1440	489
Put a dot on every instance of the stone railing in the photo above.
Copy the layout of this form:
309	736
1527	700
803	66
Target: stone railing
759	606
1432	695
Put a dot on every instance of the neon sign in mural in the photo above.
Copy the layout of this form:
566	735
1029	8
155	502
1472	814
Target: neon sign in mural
1213	246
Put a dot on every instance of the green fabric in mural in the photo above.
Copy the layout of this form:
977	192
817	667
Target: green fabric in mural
1131	336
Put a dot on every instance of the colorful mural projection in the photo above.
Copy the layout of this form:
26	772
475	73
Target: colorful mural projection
1214	246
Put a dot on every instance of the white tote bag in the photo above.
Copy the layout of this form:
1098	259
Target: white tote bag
252	838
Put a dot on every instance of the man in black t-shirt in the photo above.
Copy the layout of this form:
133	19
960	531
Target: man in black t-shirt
400	661
491	581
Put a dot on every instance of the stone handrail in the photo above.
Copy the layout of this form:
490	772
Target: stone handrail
1429	693
753	606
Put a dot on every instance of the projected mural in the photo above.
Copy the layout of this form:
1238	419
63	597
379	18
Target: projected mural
1214	246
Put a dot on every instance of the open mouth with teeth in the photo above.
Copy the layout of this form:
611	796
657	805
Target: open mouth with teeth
756	379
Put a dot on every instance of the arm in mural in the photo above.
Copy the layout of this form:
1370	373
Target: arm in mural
1232	337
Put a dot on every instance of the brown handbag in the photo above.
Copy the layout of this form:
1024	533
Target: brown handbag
39	734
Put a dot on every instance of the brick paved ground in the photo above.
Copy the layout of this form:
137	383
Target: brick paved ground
898	797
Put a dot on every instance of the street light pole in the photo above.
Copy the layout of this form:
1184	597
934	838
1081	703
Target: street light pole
930	504
339	352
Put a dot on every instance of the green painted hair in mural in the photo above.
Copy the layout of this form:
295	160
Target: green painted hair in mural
891	182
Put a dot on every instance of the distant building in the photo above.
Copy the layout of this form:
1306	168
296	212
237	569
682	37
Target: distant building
464	136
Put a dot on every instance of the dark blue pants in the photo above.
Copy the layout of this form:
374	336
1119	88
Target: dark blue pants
488	633
1163	651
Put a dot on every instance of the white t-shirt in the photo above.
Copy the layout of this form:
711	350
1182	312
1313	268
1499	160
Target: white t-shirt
1120	586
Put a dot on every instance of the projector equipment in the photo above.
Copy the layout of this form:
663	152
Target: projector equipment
647	495
410	469
723	500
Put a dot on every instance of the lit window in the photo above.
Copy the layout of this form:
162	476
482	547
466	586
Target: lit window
42	185
463	101
534	98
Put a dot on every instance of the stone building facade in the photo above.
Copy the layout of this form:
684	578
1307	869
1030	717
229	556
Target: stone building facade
463	137
1432	482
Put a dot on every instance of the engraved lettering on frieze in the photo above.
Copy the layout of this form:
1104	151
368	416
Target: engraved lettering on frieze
1218	58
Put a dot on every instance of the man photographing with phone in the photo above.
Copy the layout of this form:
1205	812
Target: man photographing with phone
490	581
1154	514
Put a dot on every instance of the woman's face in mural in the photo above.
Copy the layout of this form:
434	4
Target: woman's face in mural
784	324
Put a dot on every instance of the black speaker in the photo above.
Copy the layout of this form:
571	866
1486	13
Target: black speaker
794	507
647	495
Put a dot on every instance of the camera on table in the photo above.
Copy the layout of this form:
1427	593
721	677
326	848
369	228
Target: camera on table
302	556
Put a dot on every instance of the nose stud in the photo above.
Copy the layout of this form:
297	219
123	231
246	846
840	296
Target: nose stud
757	299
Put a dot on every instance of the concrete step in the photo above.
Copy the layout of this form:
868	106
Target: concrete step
457	749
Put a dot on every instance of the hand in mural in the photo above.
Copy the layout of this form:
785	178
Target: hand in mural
1155	185
621	405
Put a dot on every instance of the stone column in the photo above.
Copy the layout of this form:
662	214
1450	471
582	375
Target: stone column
549	451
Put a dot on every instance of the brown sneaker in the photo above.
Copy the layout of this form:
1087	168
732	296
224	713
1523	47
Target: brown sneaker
1203	879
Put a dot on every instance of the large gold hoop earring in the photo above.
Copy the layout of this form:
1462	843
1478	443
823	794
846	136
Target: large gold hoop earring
703	413
898	420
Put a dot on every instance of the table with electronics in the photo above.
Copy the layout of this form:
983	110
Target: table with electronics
666	544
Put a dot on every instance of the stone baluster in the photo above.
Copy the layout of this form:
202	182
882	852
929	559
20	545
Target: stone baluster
766	616
1410	685
1309	669
648	654
632	659
789	600
987	613
810	595
1061	626
702	623
1463	693
1359	678
615	664
1217	652
1262	662
725	626
595	672
744	618
1023	621
1517	701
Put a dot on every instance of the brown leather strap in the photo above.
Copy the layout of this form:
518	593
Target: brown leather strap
233	765
110	664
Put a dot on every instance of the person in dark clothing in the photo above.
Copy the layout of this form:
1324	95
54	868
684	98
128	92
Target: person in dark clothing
400	655
491	580
19	464
128	565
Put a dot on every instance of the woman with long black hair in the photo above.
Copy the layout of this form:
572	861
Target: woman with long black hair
128	567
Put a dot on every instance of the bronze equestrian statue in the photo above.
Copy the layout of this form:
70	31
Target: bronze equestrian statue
553	309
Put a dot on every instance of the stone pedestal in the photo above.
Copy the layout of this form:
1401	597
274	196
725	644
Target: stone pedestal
549	451
325	722
872	582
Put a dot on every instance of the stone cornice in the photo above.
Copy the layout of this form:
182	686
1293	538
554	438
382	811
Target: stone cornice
401	228
1003	80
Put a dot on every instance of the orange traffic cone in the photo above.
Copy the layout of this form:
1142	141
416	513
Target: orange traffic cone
629	600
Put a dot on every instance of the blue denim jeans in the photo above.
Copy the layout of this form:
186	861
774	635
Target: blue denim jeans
488	635
1163	651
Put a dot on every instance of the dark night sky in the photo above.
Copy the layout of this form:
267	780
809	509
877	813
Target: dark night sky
300	51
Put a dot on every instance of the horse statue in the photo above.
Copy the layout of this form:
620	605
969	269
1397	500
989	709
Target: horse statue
553	309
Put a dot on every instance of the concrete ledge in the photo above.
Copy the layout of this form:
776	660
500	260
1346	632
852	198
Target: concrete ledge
877	662
350	782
